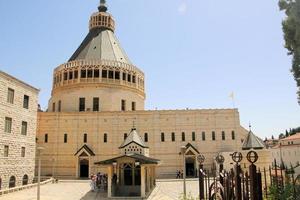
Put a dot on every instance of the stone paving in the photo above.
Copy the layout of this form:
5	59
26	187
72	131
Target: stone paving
75	190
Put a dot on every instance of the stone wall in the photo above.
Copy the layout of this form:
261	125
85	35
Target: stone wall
15	164
59	157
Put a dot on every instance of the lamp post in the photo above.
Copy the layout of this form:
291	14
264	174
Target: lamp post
183	149
39	150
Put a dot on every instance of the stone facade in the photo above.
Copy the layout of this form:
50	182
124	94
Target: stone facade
21	133
60	159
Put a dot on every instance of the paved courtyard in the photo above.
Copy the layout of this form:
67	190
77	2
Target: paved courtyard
80	190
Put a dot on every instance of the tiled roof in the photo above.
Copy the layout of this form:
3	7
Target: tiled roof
292	137
138	158
252	142
133	137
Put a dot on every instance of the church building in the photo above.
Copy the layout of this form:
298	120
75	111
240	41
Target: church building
97	96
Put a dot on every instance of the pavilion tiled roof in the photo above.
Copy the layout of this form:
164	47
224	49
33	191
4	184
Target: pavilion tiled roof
253	142
138	158
133	137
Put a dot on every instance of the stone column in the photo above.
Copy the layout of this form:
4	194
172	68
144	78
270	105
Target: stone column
143	188
109	183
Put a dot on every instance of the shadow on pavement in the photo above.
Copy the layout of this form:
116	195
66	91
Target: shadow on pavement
94	195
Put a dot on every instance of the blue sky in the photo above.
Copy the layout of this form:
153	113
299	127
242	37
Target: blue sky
194	53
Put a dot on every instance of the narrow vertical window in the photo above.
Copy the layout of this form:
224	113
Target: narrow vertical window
133	104
76	74
46	138
232	135
26	102
123	105
65	76
173	136
8	124
23	152
133	79
105	138
65	138
83	73
96	73
117	75
85	138
81	104
10	95
129	78
53	107
223	135
104	73
96	104
59	106
24	128
125	136
183	136
203	136
146	137
6	149
193	136
162	137
90	73
71	75
124	76
213	135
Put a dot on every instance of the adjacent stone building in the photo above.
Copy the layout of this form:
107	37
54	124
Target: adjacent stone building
99	94
18	117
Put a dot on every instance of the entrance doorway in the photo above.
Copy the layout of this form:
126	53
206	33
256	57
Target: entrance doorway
84	168
190	167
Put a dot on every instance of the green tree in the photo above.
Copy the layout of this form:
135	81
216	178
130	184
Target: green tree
291	30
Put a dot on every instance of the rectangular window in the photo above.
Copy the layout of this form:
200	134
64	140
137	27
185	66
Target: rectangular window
203	136
124	76
53	107
81	104
65	76
8	124
162	137
213	135
23	152
133	108
193	136
129	78
10	95
65	138
117	75
96	73
59	106
70	75
26	102
83	73
24	128
6	149
96	104
90	73
133	79
111	74
46	138
76	74
85	138
232	135
183	136
104	73
123	105
146	137
223	135
173	137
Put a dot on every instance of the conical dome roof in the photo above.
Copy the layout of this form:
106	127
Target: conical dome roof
101	42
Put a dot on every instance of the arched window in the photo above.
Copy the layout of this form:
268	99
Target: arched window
25	180
105	138
162	137
146	137
125	136
12	182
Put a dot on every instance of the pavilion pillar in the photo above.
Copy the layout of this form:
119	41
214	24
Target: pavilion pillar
143	188
109	182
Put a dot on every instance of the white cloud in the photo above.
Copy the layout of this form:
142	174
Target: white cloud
182	8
